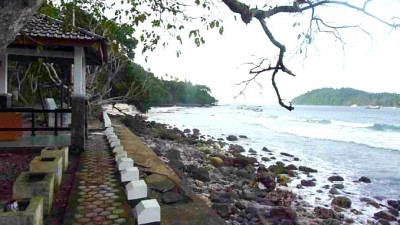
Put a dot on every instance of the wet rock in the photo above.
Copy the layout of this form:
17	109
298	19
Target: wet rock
326	186
307	183
200	174
231	138
252	151
265	149
171	197
287	154
243	136
296	159
291	173
334	191
291	167
186	131
241	205
335	178
238	148
265	159
394	203
385	215
307	169
341	201
324	213
338	186
364	179
196	131
216	161
370	202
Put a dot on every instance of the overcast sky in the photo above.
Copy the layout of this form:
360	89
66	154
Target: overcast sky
366	64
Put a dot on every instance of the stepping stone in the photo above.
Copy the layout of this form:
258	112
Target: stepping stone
130	174
124	163
148	212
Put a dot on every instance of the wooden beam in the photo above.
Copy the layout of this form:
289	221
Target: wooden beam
3	72
43	53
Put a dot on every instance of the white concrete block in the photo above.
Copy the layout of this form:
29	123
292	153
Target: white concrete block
148	211
130	174
110	129
124	163
111	134
112	138
120	155
118	149
136	190
114	144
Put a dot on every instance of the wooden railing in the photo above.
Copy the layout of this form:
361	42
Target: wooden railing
33	112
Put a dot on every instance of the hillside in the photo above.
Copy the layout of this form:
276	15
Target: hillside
347	97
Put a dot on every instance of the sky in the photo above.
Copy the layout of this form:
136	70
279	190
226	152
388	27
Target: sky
366	64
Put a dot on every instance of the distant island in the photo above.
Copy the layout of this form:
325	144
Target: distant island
347	97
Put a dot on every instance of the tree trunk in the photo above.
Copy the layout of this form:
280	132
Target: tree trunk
13	15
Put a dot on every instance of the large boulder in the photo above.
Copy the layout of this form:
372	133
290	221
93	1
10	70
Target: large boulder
307	183
200	174
307	169
335	178
341	201
159	183
173	154
385	215
231	138
364	179
171	197
216	161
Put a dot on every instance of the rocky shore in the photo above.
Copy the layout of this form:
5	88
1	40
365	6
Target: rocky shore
242	190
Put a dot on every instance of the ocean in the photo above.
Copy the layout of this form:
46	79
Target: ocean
347	141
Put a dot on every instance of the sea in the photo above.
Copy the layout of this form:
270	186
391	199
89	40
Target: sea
346	141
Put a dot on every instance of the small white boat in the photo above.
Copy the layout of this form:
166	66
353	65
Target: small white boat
373	107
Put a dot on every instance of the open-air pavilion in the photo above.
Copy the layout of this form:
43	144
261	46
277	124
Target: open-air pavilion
51	40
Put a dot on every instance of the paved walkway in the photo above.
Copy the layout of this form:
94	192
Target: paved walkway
97	196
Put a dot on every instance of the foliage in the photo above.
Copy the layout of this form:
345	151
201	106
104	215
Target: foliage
347	97
160	92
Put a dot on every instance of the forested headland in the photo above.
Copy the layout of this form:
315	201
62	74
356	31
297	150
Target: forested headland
347	97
